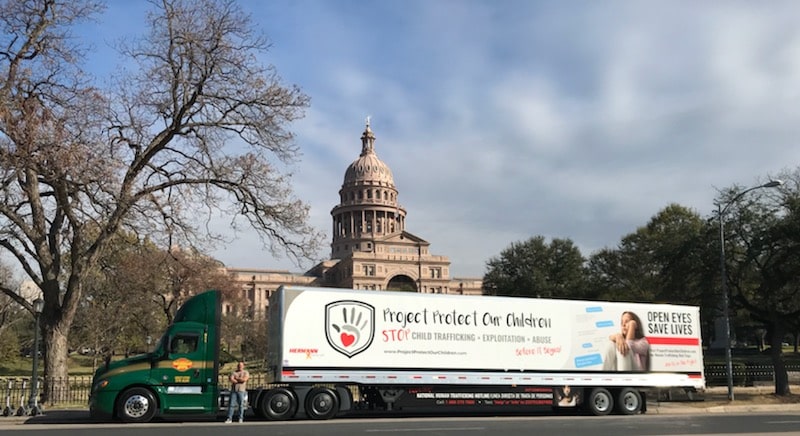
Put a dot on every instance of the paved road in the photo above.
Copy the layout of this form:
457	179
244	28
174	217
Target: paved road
79	418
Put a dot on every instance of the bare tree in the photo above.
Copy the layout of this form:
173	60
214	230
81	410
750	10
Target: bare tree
137	289
187	272
10	313
193	127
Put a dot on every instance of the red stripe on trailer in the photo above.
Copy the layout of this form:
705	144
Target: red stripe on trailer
673	341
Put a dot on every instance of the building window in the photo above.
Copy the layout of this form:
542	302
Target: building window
369	270
436	273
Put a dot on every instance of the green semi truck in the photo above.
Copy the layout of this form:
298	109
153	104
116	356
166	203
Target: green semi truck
180	376
332	352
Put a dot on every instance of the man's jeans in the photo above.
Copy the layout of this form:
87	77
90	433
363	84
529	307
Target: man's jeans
237	398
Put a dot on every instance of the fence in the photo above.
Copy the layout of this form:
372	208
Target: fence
747	374
69	391
74	391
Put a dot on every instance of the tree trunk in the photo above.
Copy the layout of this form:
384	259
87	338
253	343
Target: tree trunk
56	369
776	353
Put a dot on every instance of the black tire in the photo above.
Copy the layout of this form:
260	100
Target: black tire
136	405
629	401
322	403
278	404
601	402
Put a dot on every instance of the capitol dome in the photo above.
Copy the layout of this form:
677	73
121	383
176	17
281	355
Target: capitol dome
368	169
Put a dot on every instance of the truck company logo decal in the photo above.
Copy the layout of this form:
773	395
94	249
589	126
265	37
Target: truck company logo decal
182	364
349	326
307	351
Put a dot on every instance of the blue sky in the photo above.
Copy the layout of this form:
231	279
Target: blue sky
503	120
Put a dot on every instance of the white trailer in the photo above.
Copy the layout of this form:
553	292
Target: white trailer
339	351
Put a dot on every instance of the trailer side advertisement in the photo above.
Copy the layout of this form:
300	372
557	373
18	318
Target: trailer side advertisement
326	328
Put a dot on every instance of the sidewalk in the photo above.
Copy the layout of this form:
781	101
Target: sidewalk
715	400
54	416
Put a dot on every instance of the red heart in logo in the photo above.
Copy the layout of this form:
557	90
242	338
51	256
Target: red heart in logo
347	339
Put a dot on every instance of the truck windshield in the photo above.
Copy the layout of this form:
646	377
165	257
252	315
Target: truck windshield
159	345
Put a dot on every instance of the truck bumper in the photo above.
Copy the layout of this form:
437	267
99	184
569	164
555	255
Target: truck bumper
101	405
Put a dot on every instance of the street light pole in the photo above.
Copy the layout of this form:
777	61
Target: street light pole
33	407
725	304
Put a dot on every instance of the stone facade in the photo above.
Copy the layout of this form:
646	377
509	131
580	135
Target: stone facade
370	247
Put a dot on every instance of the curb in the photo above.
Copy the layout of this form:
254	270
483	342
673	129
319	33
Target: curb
664	408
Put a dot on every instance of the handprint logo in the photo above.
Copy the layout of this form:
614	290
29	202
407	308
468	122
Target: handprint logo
349	326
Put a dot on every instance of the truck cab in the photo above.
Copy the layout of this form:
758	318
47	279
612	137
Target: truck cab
179	376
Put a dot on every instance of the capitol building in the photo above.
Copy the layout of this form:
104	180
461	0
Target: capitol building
370	247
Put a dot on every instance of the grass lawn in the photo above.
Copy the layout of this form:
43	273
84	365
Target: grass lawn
22	366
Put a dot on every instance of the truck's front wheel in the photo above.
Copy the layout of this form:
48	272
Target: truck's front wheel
136	405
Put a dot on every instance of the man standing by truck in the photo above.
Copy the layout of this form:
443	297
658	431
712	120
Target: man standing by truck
238	380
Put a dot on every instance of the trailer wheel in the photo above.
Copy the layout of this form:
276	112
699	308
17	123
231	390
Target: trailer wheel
629	401
136	405
278	404
322	403
601	402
